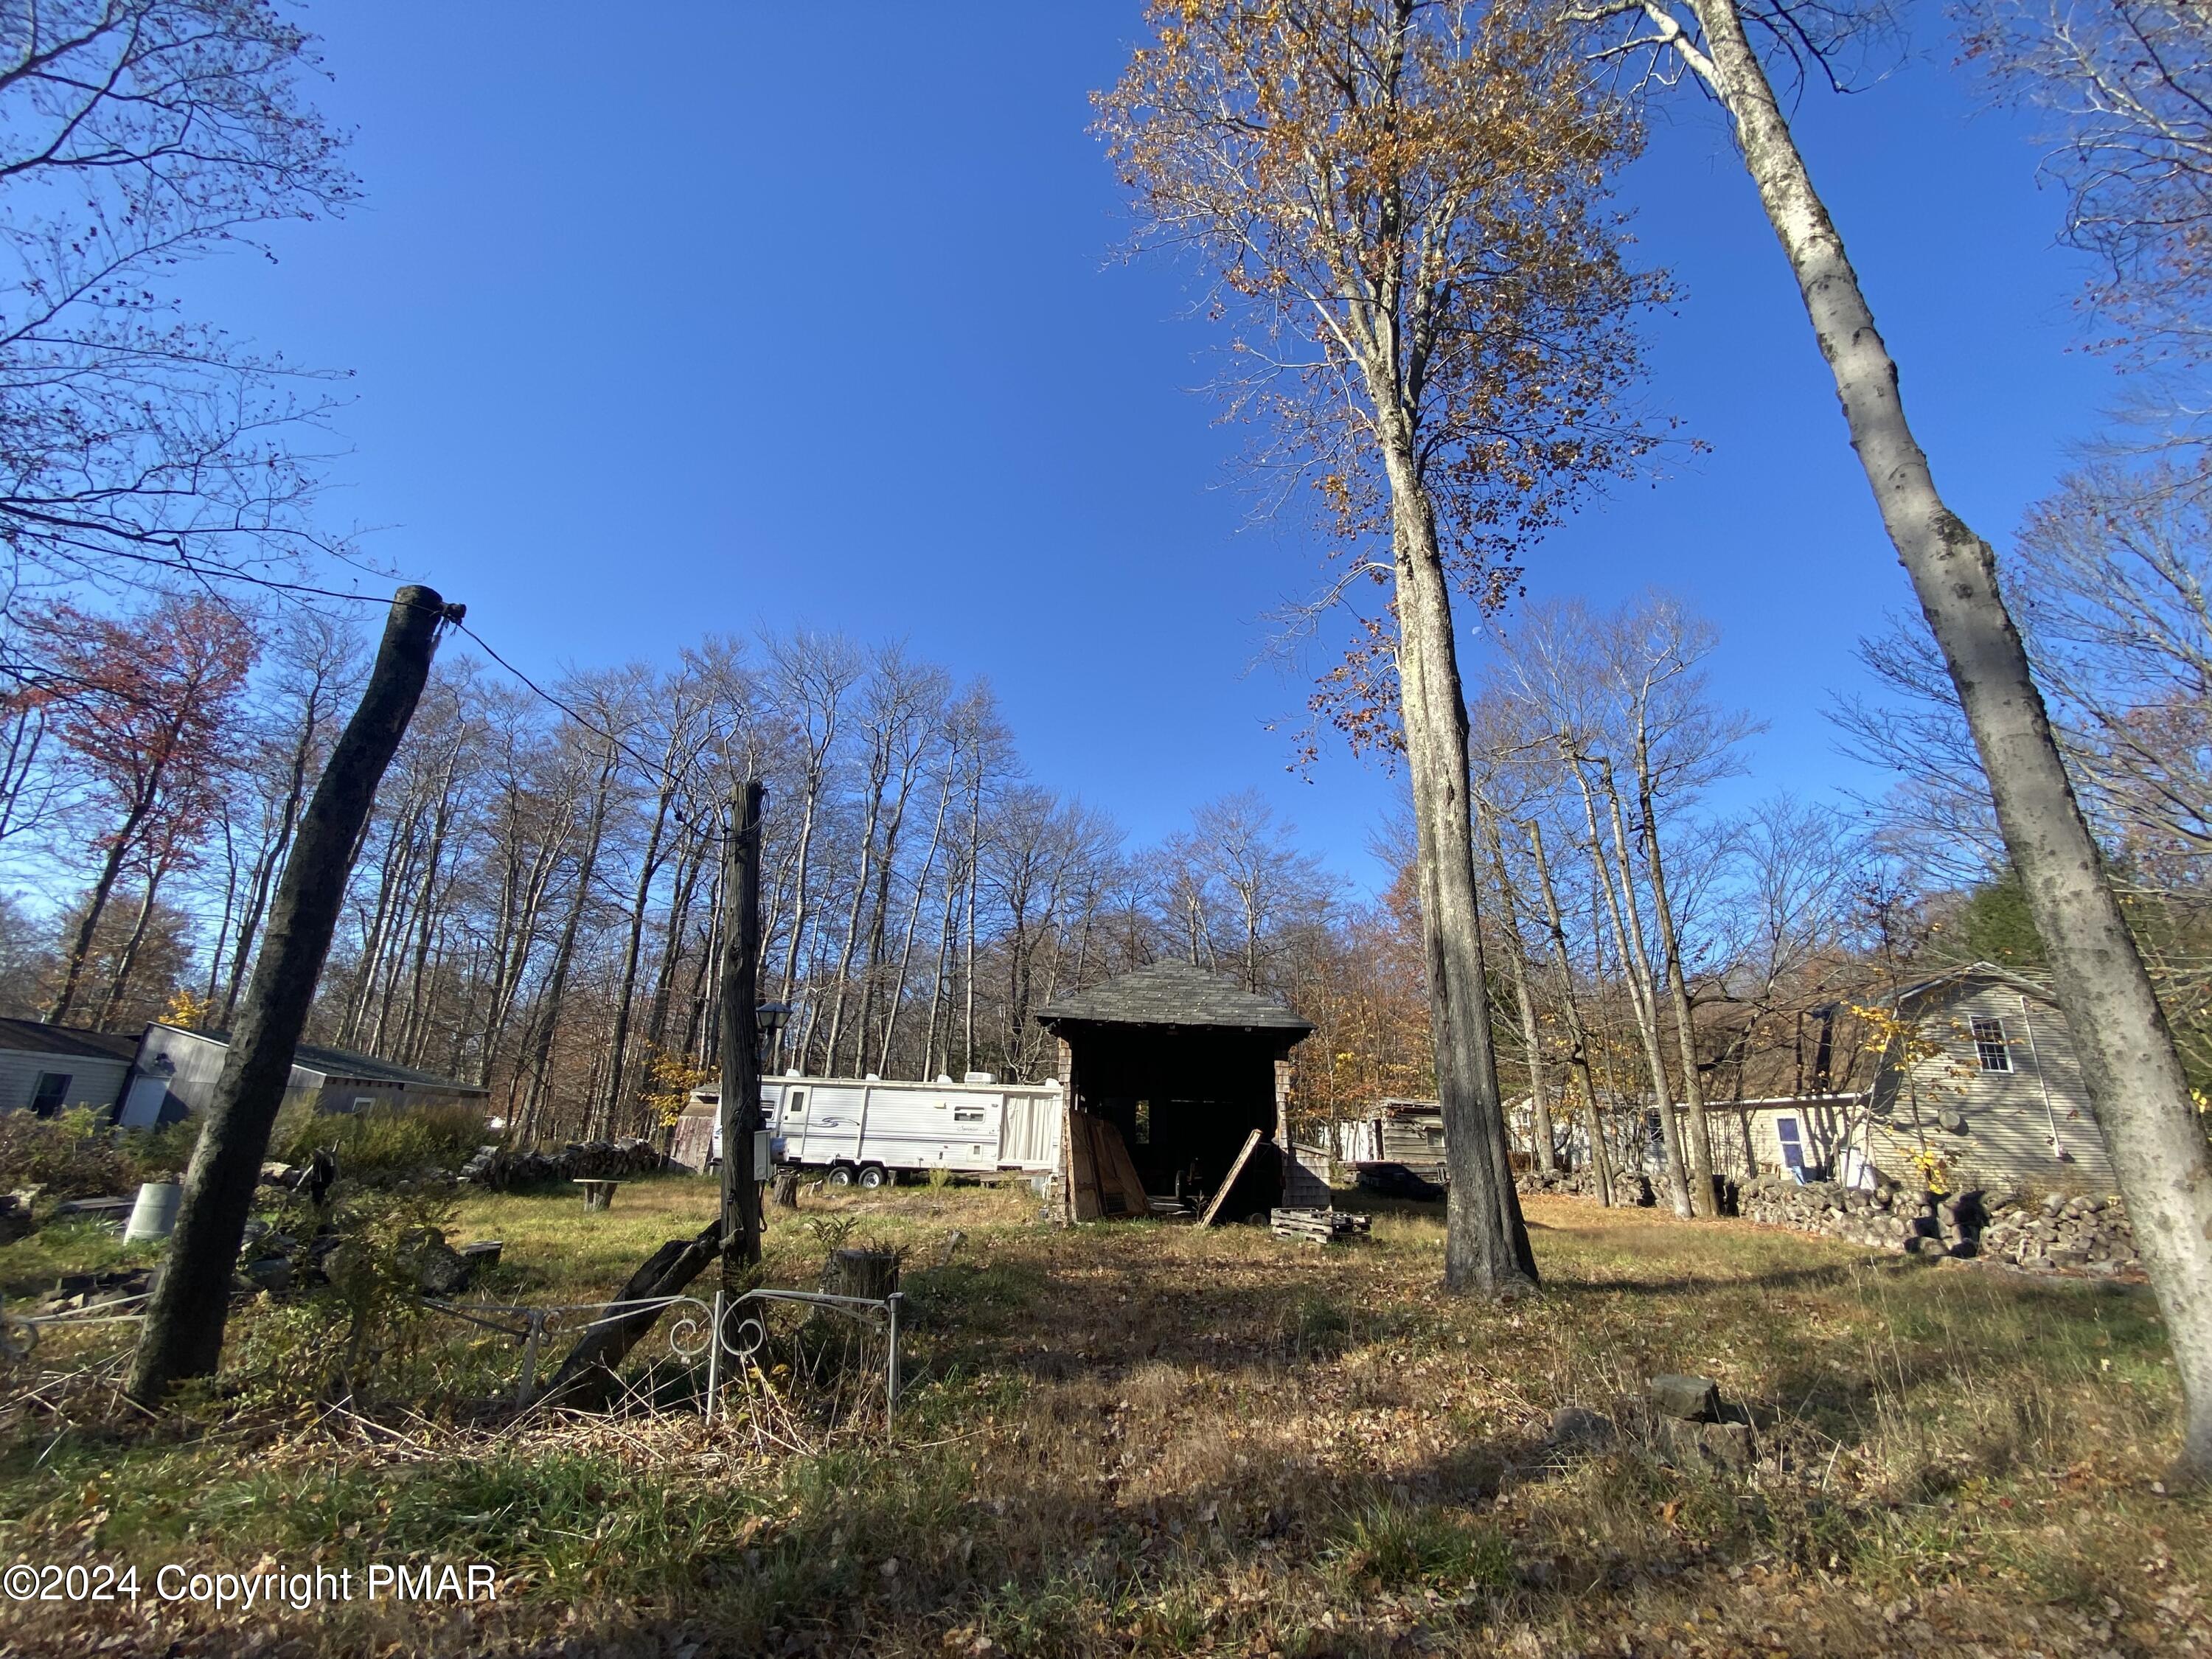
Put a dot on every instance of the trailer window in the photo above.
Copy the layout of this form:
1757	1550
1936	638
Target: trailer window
794	1104
967	1114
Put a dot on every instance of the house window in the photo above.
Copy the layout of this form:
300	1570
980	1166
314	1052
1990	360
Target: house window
46	1098
1793	1148
1990	1045
1144	1125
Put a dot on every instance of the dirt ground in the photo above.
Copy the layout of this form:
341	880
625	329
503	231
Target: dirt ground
1142	1438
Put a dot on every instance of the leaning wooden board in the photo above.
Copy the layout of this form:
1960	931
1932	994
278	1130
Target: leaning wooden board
1235	1172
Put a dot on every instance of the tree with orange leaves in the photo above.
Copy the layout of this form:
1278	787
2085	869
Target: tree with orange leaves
145	706
1401	204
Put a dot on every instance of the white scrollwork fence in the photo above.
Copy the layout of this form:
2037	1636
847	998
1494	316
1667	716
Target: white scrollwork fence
734	1336
725	1333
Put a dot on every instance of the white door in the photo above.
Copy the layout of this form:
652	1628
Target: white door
141	1107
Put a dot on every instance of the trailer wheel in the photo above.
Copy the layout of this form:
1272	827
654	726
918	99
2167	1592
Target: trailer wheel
875	1175
840	1175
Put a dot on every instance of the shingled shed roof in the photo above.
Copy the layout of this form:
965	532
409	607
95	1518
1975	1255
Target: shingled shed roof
1172	993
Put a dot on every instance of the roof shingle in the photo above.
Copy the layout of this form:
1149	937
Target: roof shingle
1172	993
35	1036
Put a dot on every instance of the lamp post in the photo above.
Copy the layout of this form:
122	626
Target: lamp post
771	1017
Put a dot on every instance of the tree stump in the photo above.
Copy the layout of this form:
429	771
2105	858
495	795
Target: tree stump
872	1274
786	1189
833	1343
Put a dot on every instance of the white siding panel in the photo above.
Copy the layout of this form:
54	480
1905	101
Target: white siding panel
2009	1116
92	1082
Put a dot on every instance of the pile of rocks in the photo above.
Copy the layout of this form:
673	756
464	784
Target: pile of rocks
2057	1233
1886	1217
1682	1418
501	1169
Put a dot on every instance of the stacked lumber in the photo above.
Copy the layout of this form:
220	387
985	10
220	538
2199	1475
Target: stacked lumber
1318	1226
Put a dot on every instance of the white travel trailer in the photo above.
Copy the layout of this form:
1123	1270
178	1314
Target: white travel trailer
868	1130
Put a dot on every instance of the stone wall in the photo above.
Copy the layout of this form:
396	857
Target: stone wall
2052	1234
1632	1189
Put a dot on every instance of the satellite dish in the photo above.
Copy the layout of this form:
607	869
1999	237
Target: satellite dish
1953	1119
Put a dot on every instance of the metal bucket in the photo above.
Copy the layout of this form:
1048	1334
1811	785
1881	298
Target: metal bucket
154	1215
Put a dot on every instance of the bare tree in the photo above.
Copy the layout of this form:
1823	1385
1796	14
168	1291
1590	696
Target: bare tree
2127	85
2128	1061
135	135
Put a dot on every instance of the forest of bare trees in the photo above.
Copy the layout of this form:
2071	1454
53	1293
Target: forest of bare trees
536	900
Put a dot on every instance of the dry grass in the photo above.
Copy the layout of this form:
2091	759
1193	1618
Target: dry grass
1148	1439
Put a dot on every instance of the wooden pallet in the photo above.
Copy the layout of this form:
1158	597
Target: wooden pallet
1317	1226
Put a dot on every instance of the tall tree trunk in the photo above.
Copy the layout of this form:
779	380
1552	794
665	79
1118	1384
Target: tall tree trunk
1705	1196
126	963
877	780
809	808
272	857
229	905
1485	1241
538	1068
905	945
1578	1033
945	936
1540	1104
1635	971
689	862
2129	1063
182	1335
974	878
879	917
96	907
519	932
626	987
426	905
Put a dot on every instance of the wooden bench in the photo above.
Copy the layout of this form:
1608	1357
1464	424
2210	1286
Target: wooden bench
597	1194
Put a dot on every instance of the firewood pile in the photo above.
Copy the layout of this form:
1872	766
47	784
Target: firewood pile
501	1169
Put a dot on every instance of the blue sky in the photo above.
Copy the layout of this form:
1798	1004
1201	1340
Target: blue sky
749	317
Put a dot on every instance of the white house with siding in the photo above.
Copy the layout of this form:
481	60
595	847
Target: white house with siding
1990	1086
49	1069
2001	1101
177	1072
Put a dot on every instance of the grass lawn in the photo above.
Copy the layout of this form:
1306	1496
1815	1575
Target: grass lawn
1143	1438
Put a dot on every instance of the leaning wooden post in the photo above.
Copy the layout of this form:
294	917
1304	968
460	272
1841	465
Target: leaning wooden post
182	1336
741	1099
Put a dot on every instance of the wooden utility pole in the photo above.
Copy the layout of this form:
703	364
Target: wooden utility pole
741	1098
182	1336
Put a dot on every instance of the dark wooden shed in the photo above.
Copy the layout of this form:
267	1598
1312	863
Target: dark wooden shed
1185	1064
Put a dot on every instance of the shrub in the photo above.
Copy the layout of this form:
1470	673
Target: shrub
384	1142
159	1154
71	1156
